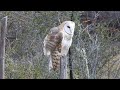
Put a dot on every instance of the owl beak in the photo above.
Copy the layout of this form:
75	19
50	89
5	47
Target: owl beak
70	31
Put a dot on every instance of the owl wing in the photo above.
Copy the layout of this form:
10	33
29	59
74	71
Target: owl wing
52	40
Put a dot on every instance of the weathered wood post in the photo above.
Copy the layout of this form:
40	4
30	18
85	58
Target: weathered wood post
63	67
2	45
70	65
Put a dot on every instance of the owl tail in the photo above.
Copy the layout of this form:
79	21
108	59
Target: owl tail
55	56
50	63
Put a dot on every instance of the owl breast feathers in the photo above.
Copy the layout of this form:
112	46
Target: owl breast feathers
58	41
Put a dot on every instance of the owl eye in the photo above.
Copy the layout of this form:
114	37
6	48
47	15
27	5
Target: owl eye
68	26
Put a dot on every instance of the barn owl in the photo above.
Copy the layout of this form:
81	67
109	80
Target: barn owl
57	43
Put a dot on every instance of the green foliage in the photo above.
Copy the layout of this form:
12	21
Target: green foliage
24	54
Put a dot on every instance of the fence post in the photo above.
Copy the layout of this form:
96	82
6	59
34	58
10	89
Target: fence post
63	67
2	45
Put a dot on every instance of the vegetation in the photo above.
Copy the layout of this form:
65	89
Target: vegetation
95	51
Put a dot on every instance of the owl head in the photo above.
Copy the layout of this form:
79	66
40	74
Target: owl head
68	27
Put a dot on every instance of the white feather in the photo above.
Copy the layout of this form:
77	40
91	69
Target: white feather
67	37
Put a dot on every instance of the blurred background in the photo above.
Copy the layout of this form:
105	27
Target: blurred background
95	51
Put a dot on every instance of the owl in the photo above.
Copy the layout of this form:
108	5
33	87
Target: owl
57	43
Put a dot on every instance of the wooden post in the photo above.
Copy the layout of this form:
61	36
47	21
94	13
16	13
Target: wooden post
2	45
63	67
70	65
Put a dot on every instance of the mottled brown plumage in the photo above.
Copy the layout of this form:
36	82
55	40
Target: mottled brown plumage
57	42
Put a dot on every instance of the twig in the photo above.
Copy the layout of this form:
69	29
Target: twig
86	62
59	17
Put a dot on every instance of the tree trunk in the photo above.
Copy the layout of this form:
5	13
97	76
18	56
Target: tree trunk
2	45
63	67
